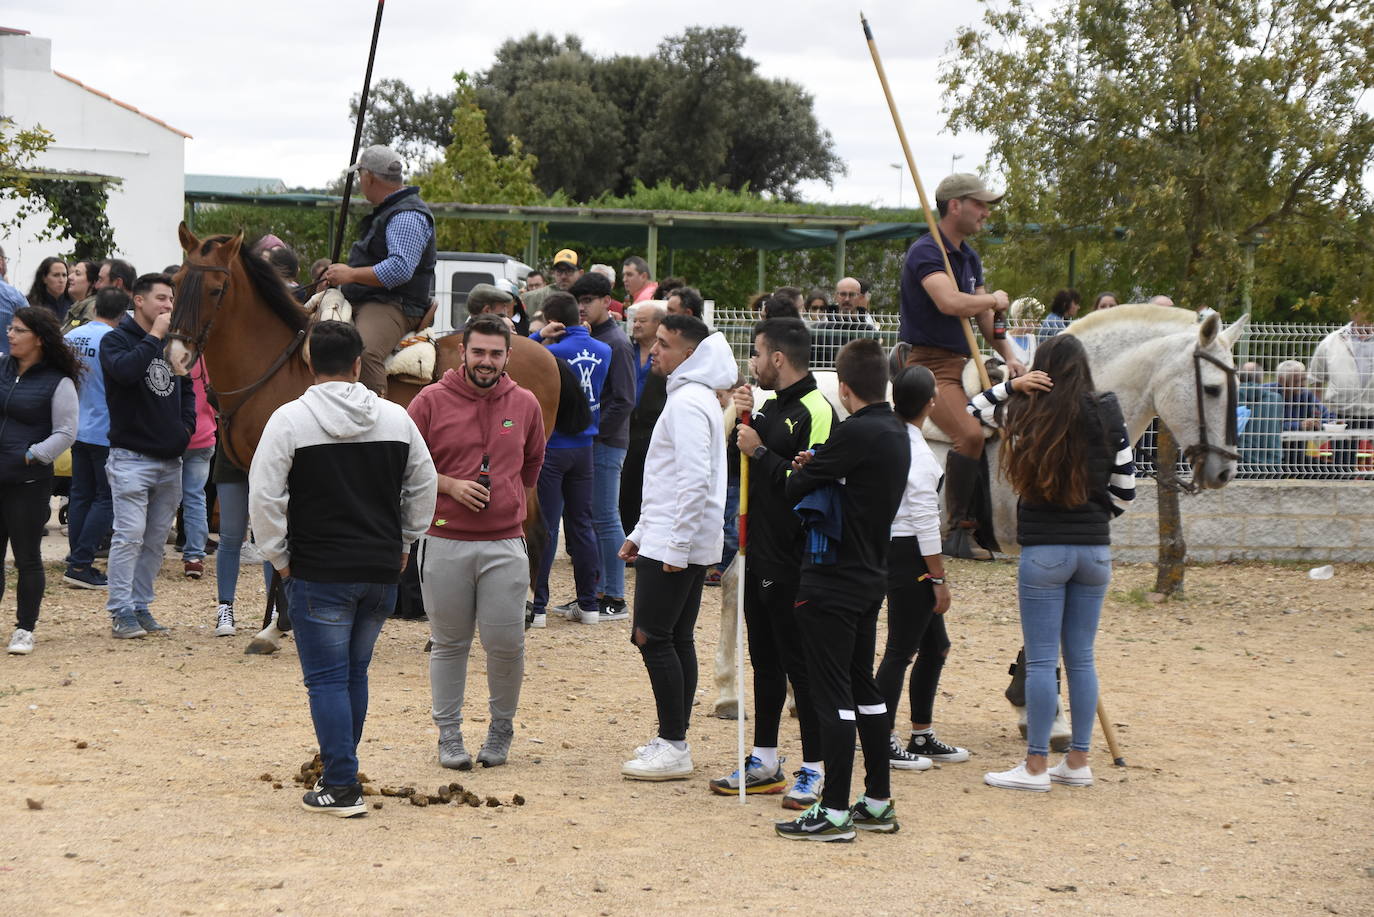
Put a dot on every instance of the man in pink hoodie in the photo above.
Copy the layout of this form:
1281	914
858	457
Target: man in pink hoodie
486	435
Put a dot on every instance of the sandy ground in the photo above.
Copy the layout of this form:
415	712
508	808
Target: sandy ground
1244	711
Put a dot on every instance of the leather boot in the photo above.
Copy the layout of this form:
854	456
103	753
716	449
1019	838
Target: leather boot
963	477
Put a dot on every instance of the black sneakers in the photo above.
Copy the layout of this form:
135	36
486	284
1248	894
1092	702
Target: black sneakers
865	819
343	801
614	609
928	746
815	825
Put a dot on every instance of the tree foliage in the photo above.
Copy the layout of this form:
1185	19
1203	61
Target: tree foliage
75	209
1195	128
695	113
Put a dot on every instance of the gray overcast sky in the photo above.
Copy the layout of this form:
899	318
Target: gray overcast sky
264	87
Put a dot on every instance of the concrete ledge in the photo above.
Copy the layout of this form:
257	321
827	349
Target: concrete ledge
1320	521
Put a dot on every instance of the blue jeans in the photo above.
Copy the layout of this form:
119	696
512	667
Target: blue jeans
336	626
565	493
731	526
1061	588
90	510
606	464
195	469
146	491
233	528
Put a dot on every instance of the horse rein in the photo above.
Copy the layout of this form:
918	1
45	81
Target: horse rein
222	416
1197	453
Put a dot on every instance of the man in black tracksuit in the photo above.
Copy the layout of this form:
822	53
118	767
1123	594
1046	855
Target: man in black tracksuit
866	461
795	419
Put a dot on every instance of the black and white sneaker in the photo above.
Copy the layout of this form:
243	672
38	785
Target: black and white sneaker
815	825
614	609
927	745
568	610
903	760
343	801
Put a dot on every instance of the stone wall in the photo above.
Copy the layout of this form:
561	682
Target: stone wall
1321	521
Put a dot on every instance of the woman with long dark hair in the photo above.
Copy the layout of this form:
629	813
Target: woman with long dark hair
917	597
1063	307
1066	453
49	288
38	415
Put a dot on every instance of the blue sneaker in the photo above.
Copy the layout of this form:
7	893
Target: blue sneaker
806	791
124	626
85	578
756	780
147	621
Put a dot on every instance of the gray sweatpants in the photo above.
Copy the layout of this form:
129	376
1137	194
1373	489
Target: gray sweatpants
474	586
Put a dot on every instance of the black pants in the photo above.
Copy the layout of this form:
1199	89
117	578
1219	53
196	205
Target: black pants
24	510
776	654
665	618
914	631
840	634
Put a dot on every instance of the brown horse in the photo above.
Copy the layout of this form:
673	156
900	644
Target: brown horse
233	309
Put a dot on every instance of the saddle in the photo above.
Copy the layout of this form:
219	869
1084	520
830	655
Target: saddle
414	358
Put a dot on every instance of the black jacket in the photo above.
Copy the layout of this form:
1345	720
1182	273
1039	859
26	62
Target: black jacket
795	418
618	394
870	453
152	410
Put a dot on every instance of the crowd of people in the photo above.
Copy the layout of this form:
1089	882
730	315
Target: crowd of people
847	512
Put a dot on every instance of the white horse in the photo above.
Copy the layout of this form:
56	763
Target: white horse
1158	360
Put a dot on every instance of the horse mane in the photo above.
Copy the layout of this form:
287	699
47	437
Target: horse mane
1137	313
267	283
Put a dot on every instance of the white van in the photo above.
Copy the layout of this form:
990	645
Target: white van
456	273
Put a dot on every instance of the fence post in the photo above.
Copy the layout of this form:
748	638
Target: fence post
839	255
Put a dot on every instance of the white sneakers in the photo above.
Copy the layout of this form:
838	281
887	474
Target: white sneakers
224	620
21	642
1018	778
1071	776
658	760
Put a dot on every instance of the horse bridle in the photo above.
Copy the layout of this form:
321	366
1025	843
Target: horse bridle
223	416
1197	453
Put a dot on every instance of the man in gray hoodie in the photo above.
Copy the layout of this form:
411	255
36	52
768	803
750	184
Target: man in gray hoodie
341	486
679	533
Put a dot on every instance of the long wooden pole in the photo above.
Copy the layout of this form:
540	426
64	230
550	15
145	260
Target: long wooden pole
925	204
357	136
1109	731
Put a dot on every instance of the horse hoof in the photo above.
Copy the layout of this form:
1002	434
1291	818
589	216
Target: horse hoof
260	647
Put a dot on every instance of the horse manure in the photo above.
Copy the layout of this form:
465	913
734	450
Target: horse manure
34	804
377	804
265	778
406	791
418	800
81	744
369	791
472	799
362	778
276	786
444	794
437	800
517	800
493	802
390	791
456	787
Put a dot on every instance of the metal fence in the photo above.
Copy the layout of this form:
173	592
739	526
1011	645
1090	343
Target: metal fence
1285	429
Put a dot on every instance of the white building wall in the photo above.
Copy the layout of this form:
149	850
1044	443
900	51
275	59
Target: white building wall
93	134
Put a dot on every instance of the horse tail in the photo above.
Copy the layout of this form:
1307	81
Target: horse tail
574	414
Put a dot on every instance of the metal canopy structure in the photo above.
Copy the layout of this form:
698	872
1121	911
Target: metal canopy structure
673	229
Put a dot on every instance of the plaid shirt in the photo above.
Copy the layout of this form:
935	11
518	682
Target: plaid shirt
406	237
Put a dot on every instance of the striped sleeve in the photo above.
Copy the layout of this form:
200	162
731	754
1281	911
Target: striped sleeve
984	407
1121	484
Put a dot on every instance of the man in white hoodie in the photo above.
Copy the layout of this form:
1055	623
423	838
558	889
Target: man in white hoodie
1343	367
678	535
341	486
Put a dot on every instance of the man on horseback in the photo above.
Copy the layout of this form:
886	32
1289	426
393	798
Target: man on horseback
390	269
932	308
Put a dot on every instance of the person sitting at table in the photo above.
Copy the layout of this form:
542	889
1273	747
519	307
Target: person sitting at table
1303	411
1261	448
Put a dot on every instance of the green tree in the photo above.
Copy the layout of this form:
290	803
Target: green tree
471	173
416	126
1193	127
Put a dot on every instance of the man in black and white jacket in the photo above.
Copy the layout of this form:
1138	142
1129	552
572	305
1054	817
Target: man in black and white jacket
341	486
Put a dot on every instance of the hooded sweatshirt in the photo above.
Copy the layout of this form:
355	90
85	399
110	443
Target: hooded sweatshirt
461	423
152	410
341	486
684	480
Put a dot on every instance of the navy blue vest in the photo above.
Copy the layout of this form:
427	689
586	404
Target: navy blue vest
413	295
25	417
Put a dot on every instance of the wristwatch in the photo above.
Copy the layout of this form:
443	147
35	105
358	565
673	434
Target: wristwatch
759	452
933	580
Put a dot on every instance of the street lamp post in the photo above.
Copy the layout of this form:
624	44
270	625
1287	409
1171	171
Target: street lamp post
900	183
952	160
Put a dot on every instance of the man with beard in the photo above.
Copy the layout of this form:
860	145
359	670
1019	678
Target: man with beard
486	436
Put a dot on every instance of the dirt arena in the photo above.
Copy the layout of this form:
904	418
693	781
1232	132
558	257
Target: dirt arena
1244	711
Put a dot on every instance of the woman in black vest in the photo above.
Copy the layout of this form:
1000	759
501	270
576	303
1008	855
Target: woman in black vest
1066	453
38	413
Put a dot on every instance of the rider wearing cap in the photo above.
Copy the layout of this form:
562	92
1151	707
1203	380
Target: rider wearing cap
390	269
932	312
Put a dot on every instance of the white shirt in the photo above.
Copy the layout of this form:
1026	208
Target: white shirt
919	512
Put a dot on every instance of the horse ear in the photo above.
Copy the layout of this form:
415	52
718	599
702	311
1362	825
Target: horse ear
1231	335
1207	333
231	248
188	239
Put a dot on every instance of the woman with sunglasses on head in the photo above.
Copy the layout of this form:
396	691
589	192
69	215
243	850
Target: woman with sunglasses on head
1066	454
38	417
